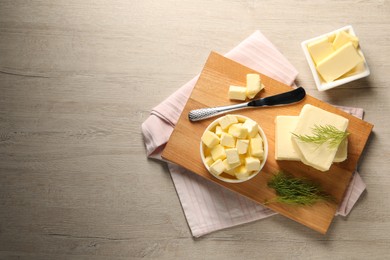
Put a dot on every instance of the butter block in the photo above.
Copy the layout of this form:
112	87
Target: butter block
218	152
230	169
242	146
320	49
227	140
253	85
318	156
227	120
252	126
217	167
252	164
238	131
256	147
342	38
210	139
237	93
339	62
284	149
232	156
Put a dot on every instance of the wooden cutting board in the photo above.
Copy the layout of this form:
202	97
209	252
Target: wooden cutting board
211	90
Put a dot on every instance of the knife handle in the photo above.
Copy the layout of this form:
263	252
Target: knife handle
203	113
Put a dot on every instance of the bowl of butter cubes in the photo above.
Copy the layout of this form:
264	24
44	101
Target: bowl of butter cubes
234	148
335	58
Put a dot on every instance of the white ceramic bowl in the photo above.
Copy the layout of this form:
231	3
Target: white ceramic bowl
224	176
321	84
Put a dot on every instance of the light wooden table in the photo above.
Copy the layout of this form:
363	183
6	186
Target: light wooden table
77	79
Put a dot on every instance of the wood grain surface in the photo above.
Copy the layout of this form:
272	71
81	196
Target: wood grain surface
211	90
78	78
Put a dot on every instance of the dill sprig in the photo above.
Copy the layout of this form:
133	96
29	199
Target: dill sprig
322	134
295	191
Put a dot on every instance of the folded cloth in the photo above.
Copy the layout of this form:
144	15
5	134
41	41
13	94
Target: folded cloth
207	206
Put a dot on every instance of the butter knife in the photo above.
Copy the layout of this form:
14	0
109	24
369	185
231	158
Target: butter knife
285	98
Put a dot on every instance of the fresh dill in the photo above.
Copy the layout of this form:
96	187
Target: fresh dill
322	134
295	191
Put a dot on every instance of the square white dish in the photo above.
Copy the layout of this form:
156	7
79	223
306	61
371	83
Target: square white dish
320	83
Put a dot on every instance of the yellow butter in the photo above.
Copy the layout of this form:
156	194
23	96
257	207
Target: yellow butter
241	172
256	147
253	85
342	38
218	152
318	156
242	146
227	140
284	147
232	156
237	130
227	120
237	93
339	62
320	49
210	139
217	167
252	164
252	126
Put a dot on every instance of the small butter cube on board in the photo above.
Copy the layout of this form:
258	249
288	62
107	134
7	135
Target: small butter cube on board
319	156
253	85
237	93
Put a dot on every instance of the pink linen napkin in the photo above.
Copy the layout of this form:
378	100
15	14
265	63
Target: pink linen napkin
207	206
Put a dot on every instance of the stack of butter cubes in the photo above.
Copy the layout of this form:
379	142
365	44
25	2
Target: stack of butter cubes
233	146
320	157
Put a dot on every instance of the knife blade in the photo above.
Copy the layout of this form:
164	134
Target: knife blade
285	98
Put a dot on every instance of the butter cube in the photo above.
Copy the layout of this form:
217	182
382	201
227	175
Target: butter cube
339	62
253	85
227	120
229	168
237	93
232	156
342	151
252	127
242	146
210	139
320	49
342	38
284	148
218	130
252	164
238	131
217	167
209	160
318	156
241	173
256	147
227	140
218	152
